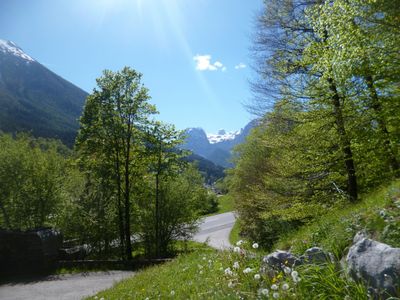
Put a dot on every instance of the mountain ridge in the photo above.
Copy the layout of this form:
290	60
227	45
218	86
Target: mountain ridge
219	152
35	99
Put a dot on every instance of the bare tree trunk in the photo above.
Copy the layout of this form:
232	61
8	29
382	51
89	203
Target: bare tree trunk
352	188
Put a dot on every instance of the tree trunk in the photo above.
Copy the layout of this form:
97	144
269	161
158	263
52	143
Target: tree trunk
120	213
158	204
344	143
128	244
377	107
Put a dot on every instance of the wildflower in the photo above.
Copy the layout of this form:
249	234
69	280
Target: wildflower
287	270
228	271
275	295
239	243
236	265
172	293
255	246
230	284
285	287
274	287
257	276
236	249
247	270
263	292
295	276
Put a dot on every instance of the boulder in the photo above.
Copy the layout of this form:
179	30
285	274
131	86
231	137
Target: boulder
315	255
375	263
279	259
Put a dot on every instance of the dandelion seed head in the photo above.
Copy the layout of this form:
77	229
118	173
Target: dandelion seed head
275	295
287	270
172	293
274	287
236	249
255	246
239	243
285	286
247	270
257	276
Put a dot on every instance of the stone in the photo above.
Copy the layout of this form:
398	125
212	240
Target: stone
279	259
377	264
315	255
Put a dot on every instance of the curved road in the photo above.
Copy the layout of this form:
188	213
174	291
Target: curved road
215	230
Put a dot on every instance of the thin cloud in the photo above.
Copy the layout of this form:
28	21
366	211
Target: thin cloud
204	63
240	66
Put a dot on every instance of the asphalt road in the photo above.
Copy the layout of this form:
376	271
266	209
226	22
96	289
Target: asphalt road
215	230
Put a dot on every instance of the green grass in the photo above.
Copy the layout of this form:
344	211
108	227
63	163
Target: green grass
225	204
201	274
234	234
335	230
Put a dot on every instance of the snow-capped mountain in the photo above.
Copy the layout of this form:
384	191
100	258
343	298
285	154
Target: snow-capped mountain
222	135
34	99
11	48
216	147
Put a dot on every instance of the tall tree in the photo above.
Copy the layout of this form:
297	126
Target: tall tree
111	134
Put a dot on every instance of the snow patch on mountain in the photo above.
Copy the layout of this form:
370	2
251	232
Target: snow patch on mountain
222	136
12	48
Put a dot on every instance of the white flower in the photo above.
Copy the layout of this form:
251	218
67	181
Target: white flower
263	292
255	246
236	250
257	276
287	270
230	284
275	295
285	286
228	271
274	287
295	276
236	265
172	293
239	243
247	270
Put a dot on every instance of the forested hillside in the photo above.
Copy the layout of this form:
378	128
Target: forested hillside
328	91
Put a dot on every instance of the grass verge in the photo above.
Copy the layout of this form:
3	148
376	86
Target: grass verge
240	274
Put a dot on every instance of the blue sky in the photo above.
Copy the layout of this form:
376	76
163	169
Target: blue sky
194	54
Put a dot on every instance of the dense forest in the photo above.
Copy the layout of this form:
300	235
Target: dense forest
329	101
